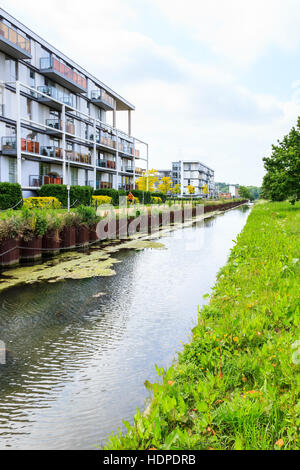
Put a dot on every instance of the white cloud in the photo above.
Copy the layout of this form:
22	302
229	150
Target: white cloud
237	29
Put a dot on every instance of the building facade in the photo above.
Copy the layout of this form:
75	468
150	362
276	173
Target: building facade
193	173
54	119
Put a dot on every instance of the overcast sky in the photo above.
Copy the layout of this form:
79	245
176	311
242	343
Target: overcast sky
215	80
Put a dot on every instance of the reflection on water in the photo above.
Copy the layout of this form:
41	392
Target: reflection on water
78	359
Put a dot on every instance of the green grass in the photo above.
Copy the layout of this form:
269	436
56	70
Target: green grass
236	385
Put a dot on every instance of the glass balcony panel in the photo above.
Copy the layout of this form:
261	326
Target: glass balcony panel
18	42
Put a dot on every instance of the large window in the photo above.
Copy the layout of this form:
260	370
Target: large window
74	176
12	170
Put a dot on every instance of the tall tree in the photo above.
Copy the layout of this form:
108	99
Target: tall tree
166	184
151	178
282	180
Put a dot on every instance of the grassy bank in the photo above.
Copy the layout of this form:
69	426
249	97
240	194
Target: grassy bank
236	385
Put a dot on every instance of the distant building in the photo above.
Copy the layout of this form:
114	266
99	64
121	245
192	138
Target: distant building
193	173
225	196
234	191
162	174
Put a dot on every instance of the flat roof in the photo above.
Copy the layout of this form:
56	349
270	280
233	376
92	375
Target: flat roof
122	104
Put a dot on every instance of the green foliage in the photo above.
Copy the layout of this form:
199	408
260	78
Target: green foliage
82	194
113	193
245	193
282	180
236	385
10	195
86	216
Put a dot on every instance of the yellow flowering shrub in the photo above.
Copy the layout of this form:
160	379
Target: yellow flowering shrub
156	200
42	203
100	200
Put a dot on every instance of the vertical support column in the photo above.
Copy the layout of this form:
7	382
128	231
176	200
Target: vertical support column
64	144
117	160
147	167
95	156
18	133
182	177
134	187
129	122
115	116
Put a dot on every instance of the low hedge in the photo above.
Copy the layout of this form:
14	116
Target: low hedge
42	203
82	194
10	195
113	193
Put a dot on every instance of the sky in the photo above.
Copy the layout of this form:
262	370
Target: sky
216	81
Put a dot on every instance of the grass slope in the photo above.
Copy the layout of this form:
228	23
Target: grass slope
236	385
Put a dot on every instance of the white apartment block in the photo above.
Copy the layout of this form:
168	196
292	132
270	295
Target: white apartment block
54	119
193	173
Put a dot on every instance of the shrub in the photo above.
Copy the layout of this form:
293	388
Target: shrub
113	193
156	200
100	200
9	227
82	194
42	203
86	216
10	195
142	195
32	224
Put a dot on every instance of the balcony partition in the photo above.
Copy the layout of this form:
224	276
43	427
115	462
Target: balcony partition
78	157
37	181
52	152
62	74
14	43
9	146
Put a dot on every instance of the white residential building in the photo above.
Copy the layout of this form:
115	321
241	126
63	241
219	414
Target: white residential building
54	119
193	173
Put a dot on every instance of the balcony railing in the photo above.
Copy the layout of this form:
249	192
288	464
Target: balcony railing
55	69
78	157
53	93
103	99
38	181
126	187
128	169
103	185
9	146
56	125
14	43
52	152
101	163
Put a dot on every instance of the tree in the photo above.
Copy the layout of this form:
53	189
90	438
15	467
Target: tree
150	177
177	189
205	189
245	193
191	189
282	180
166	184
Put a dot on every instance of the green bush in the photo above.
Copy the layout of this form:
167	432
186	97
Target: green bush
10	195
113	193
82	194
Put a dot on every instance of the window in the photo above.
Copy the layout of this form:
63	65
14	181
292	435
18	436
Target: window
45	169
10	131
11	70
12	170
74	176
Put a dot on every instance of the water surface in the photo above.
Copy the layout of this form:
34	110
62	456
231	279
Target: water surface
79	358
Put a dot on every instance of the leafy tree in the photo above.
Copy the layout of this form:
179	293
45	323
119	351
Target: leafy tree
205	190
191	189
177	189
151	178
244	193
165	186
282	180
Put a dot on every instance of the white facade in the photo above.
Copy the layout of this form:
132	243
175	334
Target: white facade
234	191
193	173
54	119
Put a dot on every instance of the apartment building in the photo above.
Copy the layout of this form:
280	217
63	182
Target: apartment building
58	123
194	173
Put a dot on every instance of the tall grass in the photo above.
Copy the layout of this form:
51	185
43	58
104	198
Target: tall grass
236	385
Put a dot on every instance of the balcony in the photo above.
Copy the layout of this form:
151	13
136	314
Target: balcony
127	169
78	157
126	187
62	74
52	152
103	100
106	139
9	146
103	185
101	163
38	181
56	128
14	44
52	92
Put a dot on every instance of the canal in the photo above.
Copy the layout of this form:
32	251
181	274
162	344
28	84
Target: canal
81	350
